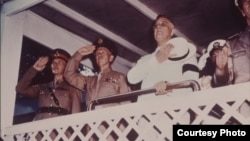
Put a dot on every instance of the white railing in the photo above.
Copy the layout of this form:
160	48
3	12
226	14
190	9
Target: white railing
136	120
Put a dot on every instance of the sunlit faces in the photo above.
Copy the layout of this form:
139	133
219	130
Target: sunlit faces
103	56
57	66
163	30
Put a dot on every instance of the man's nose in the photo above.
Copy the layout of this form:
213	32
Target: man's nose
54	64
157	26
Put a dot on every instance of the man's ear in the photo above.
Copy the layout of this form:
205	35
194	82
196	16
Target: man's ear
111	59
172	32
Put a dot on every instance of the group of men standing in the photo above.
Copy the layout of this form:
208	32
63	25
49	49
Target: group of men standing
173	60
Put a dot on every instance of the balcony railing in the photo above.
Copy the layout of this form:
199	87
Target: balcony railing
213	106
119	97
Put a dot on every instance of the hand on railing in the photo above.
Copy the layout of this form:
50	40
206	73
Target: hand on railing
170	86
161	88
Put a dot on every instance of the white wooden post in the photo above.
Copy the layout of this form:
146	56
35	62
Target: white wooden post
12	36
12	22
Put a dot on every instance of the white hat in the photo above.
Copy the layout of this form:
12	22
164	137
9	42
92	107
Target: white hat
182	50
203	58
220	42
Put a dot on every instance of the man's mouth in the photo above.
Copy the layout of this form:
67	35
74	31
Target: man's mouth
158	33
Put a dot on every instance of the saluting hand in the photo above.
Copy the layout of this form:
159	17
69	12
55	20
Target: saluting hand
41	63
222	58
86	50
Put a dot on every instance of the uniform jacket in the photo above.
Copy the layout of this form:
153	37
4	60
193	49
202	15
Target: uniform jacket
240	48
110	83
241	57
69	98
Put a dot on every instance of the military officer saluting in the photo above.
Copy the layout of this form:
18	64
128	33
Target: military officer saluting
108	82
55	98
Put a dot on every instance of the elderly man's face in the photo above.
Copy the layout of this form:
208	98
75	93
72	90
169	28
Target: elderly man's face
163	30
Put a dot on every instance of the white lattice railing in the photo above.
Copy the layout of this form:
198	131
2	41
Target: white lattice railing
143	120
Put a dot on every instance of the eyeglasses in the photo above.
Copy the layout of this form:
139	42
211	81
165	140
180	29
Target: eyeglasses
161	24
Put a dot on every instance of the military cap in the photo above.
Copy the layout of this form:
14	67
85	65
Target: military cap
60	53
106	43
216	45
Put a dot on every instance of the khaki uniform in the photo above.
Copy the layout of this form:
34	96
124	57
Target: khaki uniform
69	98
105	84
